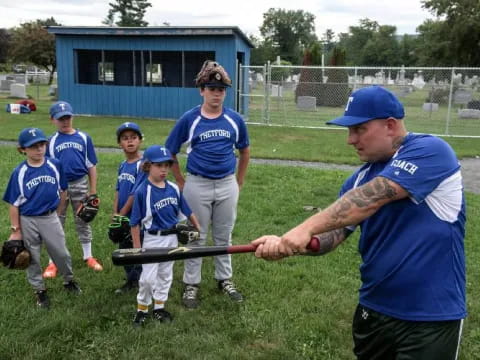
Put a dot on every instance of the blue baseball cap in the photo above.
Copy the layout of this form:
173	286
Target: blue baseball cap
60	109
31	136
157	154
368	103
129	126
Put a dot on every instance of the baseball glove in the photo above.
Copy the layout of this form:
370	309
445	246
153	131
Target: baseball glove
88	209
15	255
119	231
212	71
186	233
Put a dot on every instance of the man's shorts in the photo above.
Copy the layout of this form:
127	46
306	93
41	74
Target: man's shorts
380	337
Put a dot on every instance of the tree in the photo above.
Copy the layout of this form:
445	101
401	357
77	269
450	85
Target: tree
31	43
434	45
355	40
382	49
460	29
263	51
127	13
4	45
291	31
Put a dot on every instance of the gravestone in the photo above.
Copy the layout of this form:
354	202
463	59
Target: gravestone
402	91
52	90
276	91
306	103
5	85
462	96
430	107
469	114
18	91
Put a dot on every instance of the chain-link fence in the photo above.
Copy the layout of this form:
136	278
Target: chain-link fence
442	101
35	85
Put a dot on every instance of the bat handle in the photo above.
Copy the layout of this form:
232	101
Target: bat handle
314	244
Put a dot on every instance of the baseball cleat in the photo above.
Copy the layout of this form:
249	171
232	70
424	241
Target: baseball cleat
72	287
228	287
93	263
43	302
140	318
50	271
162	315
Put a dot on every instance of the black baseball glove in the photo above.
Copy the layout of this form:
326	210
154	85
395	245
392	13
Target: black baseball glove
89	208
187	233
119	231
15	255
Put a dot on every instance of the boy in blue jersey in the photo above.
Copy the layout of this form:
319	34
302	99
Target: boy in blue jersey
408	202
74	149
157	207
36	192
211	133
129	138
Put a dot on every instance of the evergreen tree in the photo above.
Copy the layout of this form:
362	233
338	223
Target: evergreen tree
127	13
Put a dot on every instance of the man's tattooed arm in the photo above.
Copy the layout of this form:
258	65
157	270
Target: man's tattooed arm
356	205
331	239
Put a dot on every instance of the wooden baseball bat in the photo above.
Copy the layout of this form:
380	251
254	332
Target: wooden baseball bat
156	255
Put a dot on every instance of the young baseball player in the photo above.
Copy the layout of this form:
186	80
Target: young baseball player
36	192
157	207
74	149
129	138
213	182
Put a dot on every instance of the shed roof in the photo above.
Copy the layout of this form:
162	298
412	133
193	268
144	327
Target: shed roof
151	31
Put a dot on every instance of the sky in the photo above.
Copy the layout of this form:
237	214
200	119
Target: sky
337	15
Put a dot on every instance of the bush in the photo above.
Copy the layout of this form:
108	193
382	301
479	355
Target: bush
474	104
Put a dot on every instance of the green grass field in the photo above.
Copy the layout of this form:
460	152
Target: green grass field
271	142
298	308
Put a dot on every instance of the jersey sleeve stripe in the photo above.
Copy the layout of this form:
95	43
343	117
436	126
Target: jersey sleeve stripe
190	133
235	127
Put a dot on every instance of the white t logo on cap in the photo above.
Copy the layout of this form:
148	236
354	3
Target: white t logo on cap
62	105
350	100
127	124
164	151
32	131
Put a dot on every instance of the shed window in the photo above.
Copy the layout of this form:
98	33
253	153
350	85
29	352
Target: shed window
139	67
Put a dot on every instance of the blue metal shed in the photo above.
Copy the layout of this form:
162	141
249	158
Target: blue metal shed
145	71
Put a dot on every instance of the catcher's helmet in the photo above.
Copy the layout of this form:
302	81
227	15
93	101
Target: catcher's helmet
212	74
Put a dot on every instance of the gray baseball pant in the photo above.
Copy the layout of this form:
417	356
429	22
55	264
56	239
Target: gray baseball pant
213	201
49	230
77	192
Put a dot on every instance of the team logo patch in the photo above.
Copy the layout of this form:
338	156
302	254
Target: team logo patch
218	76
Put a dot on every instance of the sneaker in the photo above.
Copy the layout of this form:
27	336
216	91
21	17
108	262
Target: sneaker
162	315
228	287
190	296
43	302
139	319
72	287
129	285
50	271
93	263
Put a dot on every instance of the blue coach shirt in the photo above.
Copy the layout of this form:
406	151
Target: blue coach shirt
210	142
413	261
36	190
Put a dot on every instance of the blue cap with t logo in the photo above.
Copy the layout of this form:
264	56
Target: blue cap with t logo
368	103
31	136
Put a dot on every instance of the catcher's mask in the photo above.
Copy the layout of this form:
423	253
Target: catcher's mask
212	74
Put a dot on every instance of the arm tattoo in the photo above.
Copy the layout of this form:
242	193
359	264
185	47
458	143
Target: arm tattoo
362	197
331	239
